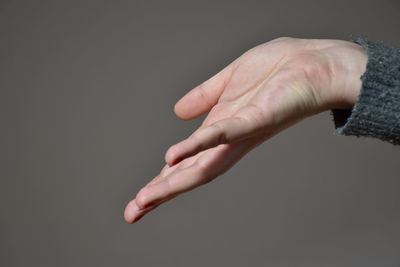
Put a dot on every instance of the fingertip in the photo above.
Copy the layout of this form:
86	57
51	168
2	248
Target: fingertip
168	157
129	212
171	157
176	109
180	112
193	105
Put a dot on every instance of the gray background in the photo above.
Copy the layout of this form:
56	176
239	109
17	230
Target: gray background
87	90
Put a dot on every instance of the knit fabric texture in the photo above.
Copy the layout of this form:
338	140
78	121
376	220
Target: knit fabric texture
376	112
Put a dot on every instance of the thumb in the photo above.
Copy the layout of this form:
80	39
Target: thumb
203	97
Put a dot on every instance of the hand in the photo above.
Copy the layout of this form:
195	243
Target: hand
267	89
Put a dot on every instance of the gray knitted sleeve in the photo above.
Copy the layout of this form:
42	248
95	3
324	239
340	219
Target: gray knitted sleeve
376	112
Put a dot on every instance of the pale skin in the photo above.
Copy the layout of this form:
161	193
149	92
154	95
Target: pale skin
264	91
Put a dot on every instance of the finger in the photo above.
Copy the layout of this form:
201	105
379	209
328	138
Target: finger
205	169
203	97
166	170
224	131
132	212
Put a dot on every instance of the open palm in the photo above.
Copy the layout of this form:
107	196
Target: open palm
264	91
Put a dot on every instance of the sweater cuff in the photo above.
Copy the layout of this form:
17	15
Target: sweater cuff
376	112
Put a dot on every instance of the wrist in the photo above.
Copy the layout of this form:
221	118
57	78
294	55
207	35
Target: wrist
350	67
